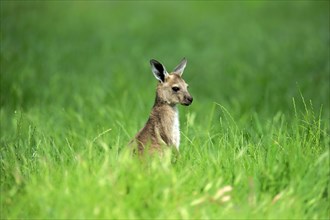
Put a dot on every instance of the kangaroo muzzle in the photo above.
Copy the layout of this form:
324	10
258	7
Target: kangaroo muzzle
187	100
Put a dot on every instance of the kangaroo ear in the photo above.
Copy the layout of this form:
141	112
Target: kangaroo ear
158	70
180	68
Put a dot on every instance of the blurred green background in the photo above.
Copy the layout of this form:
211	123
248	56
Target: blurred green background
249	56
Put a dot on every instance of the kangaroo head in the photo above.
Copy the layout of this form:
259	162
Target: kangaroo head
171	88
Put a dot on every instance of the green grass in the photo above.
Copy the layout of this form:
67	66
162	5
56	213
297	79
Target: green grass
76	86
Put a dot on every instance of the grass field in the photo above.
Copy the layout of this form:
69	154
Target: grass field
76	86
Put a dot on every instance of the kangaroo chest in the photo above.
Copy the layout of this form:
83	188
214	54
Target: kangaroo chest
167	125
176	130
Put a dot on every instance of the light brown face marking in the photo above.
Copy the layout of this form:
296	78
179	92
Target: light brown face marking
174	90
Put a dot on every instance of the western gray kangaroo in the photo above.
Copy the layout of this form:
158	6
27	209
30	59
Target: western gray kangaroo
162	127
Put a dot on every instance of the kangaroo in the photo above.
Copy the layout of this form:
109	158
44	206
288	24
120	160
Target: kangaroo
162	127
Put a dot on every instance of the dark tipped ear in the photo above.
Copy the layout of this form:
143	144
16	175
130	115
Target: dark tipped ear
158	70
180	68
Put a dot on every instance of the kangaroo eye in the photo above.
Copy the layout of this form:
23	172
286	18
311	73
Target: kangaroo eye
175	88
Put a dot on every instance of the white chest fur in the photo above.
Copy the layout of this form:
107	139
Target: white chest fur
176	130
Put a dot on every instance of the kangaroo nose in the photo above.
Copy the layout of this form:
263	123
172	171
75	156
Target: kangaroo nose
187	100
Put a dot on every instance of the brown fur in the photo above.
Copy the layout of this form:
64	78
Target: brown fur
157	131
